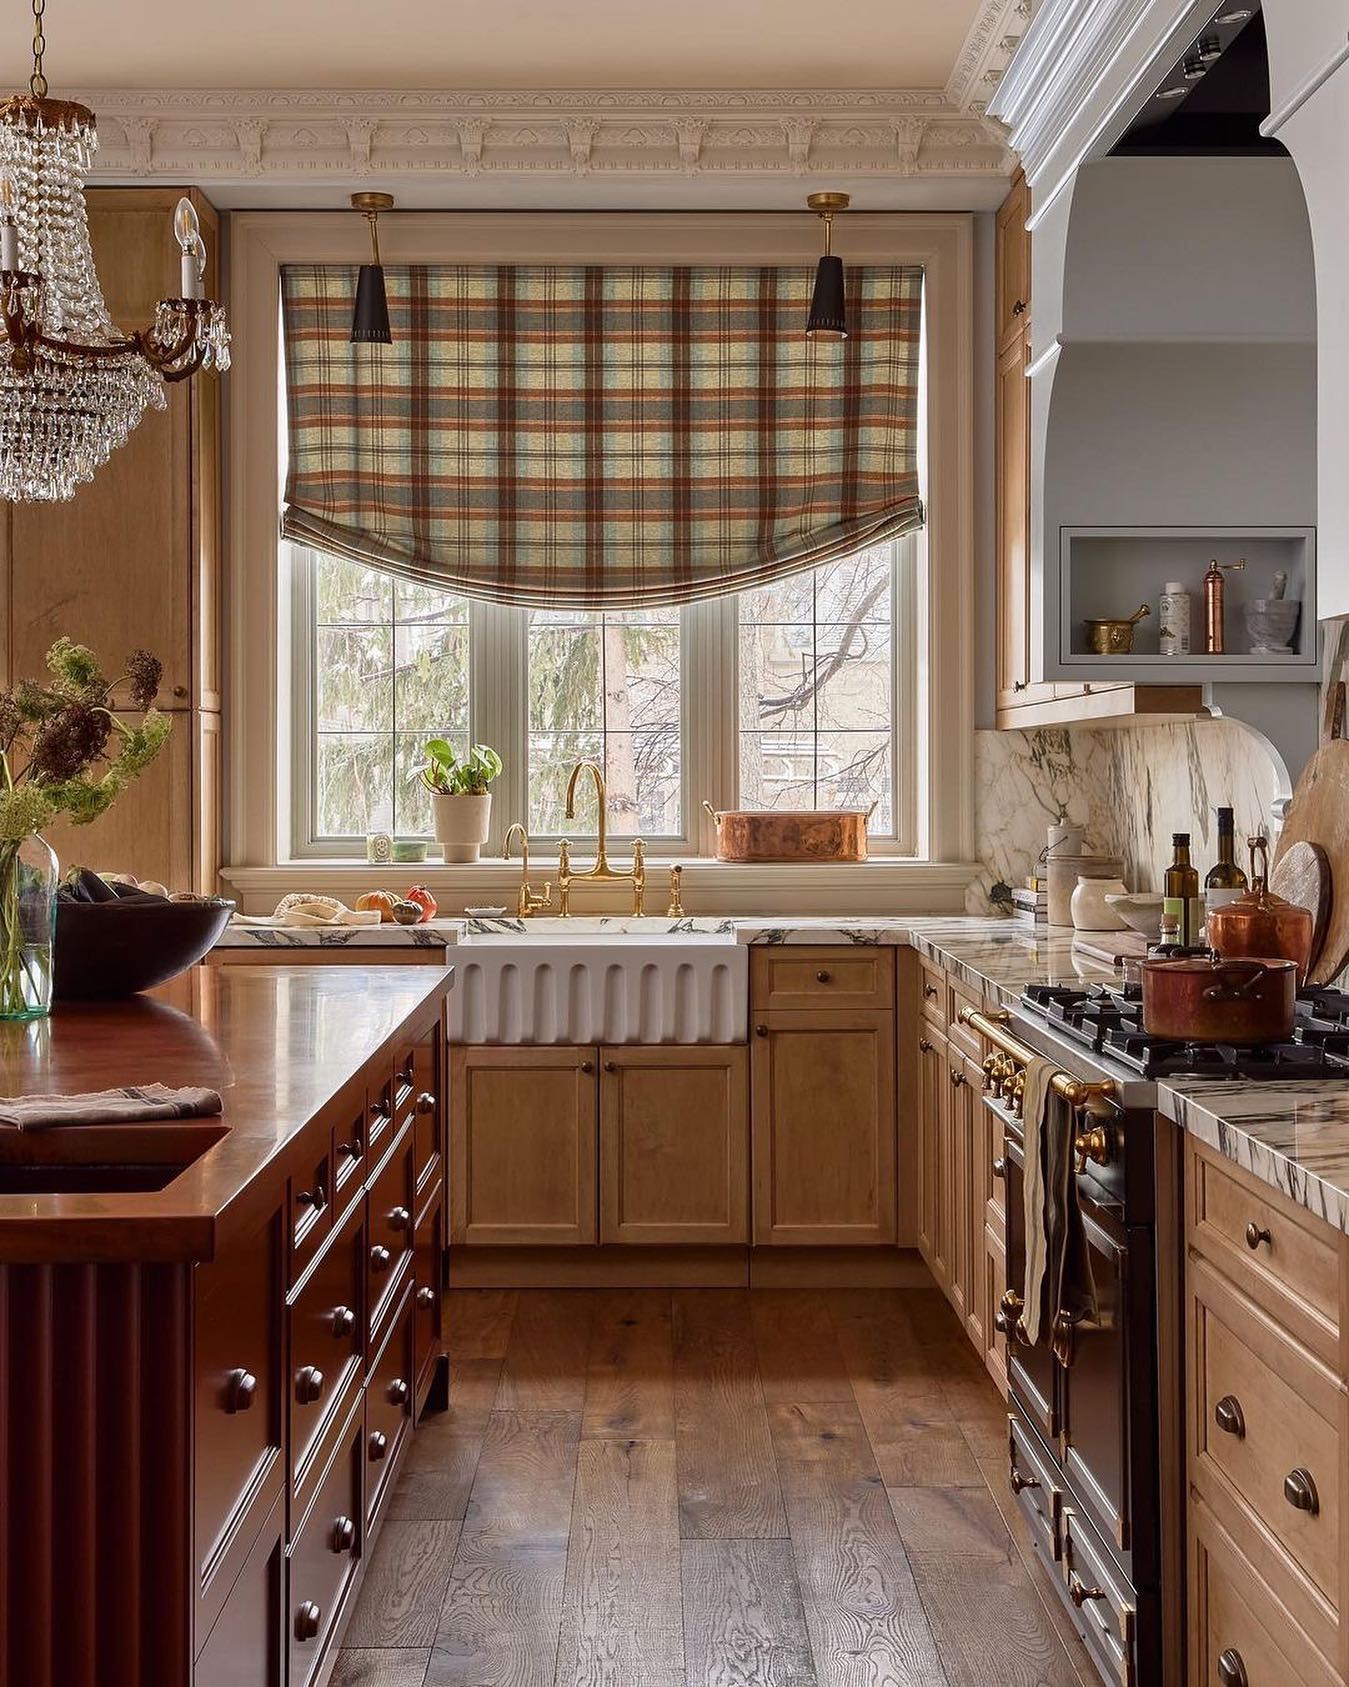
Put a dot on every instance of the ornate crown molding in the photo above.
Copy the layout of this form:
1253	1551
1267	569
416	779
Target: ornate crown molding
303	135
992	39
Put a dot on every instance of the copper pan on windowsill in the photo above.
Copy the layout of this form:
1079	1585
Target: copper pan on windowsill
811	834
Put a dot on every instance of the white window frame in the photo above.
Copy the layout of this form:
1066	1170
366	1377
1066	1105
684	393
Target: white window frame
938	757
709	732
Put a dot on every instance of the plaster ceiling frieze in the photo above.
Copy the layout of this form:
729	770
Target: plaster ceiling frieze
298	134
989	44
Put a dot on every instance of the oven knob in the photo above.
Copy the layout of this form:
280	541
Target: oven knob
1093	1144
1007	1319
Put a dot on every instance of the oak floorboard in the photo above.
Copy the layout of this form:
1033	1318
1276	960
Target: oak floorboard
501	1618
797	1347
545	1365
743	1622
728	1480
473	1384
380	1666
437	1477
864	1615
913	1430
478	1322
405	1581
523	1485
630	1370
622	1607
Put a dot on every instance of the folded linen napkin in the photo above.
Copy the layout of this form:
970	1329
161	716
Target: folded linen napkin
296	918
131	1105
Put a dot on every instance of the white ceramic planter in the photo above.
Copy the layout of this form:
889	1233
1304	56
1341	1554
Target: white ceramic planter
461	824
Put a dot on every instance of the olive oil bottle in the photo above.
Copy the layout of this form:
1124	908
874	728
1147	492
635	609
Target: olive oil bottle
1225	880
1180	891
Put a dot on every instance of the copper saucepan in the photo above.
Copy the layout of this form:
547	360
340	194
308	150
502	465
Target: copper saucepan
1194	1000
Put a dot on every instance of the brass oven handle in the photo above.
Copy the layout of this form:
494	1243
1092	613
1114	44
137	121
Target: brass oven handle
993	1027
1229	1417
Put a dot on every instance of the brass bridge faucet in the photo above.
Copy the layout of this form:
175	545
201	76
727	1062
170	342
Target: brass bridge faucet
527	901
601	871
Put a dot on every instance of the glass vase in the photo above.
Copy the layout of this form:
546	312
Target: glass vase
28	876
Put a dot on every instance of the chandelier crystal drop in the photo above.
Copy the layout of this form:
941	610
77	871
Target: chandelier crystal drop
72	385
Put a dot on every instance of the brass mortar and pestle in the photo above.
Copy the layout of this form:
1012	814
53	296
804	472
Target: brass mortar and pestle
1115	636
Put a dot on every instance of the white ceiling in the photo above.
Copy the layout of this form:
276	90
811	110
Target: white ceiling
517	43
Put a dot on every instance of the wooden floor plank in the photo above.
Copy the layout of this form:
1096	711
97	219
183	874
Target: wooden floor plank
545	1365
728	1482
501	1618
405	1581
438	1475
914	1432
382	1666
630	1370
478	1322
522	1488
864	1615
622	1608
797	1347
743	1622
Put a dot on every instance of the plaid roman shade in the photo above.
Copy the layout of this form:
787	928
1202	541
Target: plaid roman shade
600	436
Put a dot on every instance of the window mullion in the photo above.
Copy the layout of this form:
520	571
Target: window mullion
497	709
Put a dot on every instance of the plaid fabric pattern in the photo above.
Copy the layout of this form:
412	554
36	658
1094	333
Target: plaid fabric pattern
600	436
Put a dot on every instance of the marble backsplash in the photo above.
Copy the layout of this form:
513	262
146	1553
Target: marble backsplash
1130	787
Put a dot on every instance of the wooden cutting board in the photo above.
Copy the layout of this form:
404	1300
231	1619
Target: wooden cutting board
1319	814
1302	876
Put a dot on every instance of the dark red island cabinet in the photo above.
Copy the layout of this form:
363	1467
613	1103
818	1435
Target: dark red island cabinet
197	1456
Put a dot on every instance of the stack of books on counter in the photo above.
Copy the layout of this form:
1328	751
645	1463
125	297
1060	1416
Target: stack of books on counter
1030	902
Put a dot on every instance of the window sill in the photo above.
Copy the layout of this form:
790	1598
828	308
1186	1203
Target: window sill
880	885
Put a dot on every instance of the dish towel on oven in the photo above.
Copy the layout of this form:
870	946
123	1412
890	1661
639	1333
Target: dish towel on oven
1058	1262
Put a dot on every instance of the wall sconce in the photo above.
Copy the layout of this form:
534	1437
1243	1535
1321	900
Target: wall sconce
828	318
370	320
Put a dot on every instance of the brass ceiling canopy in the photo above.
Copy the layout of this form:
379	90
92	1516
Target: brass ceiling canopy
828	319
370	318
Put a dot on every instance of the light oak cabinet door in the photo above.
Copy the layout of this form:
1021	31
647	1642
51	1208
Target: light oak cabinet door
1013	262
824	1127
674	1145
934	1238
1013	532
522	1146
975	1192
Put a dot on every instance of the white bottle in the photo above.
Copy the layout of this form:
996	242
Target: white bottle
1174	631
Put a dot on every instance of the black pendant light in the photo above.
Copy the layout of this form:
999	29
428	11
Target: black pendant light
828	319
370	320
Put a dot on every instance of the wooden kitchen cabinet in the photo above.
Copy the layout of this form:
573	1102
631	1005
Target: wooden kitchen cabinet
1013	262
523	1168
1012	495
934	1237
674	1145
824	1127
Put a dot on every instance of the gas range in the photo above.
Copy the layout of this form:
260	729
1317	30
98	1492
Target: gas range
1108	1022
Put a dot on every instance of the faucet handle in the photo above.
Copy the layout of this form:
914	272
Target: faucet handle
676	909
539	900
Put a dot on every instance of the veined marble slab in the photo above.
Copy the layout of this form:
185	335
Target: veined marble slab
1294	1136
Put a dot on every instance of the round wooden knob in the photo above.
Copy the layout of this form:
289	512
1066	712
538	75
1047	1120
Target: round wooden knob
1255	1234
379	1257
308	1385
344	1321
343	1536
426	1102
398	1392
377	1446
240	1390
307	1620
426	1297
399	1218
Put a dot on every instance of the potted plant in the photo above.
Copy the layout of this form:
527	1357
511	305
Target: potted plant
461	804
64	750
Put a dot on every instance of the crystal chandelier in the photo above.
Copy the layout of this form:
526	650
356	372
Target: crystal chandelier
72	385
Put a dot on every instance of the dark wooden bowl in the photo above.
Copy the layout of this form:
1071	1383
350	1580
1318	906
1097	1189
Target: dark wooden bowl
117	948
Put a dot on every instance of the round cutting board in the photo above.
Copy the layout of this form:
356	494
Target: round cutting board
1319	814
1302	876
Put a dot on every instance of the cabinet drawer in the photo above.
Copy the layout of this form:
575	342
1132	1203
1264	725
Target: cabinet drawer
309	1206
389	1243
237	1410
1272	1250
327	1336
427	1303
1264	1432
1236	1624
1031	1474
1107	1613
388	1406
324	1553
934	994
964	1036
791	977
348	1148
428	1112
247	1646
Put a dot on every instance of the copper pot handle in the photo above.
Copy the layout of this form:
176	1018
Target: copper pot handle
1223	990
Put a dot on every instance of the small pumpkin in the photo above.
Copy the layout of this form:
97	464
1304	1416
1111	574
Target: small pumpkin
380	900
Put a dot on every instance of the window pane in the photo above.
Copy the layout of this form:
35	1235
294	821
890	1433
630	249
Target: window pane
607	687
355	681
817	688
347	592
355	783
431	678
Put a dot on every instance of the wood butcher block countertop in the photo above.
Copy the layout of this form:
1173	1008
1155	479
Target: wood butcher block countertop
279	1043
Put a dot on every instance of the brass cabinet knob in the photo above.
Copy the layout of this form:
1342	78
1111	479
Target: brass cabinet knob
308	1617
379	1258
929	990
240	1390
1229	1417
426	1102
1093	1144
1000	1167
1007	1319
760	1030
1019	308
822	977
587	1065
1020	684
343	1536
1300	1491
398	1392
426	1297
399	1218
611	1066
1080	1593
308	1385
924	1045
344	1321
1255	1234
1018	1481
957	1077
377	1446
1231	1669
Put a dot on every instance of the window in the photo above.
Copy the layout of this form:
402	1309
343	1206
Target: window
806	700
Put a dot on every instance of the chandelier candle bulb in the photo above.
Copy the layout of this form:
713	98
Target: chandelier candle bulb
187	229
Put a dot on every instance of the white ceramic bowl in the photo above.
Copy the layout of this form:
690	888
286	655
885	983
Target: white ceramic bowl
1141	911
